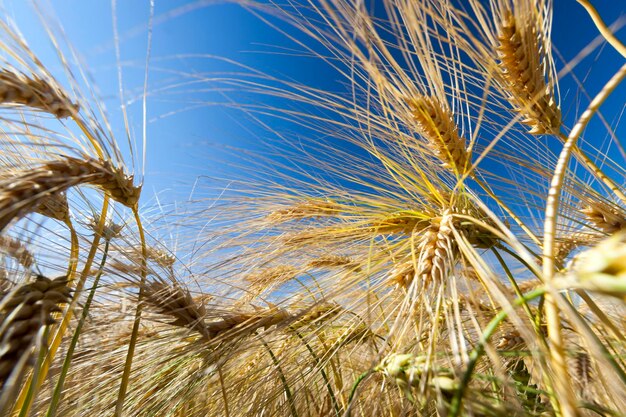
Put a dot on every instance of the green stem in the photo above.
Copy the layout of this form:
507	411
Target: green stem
322	372
56	396
283	380
119	406
479	350
355	386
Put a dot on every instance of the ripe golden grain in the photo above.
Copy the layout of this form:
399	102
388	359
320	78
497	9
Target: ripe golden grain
24	312
523	69
14	248
305	209
436	124
32	188
176	302
34	91
54	206
436	250
606	218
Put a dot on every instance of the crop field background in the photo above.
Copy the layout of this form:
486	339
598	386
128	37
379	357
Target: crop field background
312	208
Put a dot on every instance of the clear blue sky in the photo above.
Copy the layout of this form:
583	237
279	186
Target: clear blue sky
186	144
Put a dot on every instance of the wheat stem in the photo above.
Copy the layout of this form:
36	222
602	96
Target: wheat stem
58	390
557	352
479	350
602	27
22	402
283	380
119	406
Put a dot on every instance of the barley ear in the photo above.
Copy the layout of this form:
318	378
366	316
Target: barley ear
437	126
34	91
523	68
24	312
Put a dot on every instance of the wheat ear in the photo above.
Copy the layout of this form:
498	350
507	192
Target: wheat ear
176	302
29	190
436	250
24	312
305	209
437	126
605	217
33	91
54	206
330	261
17	250
522	65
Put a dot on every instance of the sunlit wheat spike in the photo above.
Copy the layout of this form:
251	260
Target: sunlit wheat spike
305	209
54	206
34	91
398	224
176	302
238	325
161	257
317	315
110	230
273	275
25	193
329	261
522	65
566	245
601	269
24	311
604	217
102	174
436	250
436	124
14	248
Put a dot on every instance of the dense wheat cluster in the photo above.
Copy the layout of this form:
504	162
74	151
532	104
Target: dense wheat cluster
449	244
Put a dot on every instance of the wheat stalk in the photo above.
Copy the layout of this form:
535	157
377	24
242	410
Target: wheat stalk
31	189
36	92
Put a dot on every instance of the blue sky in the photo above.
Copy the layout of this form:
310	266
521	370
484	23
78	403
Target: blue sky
185	143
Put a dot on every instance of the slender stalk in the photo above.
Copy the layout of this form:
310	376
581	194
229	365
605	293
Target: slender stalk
223	387
74	251
603	28
322	372
24	401
557	351
119	406
355	386
283	380
479	350
56	396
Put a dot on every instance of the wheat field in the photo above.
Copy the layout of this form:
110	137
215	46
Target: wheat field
450	242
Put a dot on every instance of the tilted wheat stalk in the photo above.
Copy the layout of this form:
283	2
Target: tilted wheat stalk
34	91
30	189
